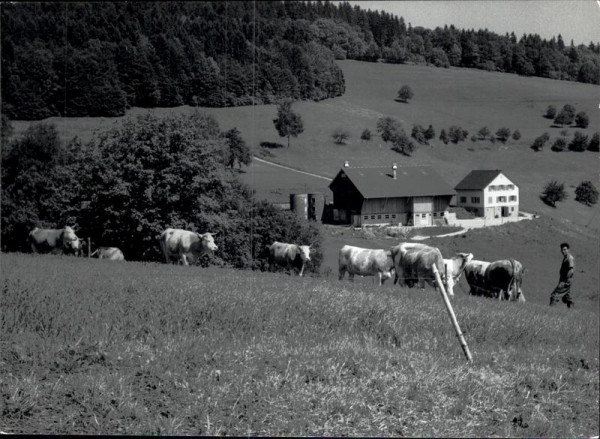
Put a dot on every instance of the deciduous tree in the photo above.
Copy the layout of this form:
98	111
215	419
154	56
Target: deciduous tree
405	93
553	192
288	123
340	135
586	193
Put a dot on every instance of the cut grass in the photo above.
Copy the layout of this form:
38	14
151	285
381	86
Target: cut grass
135	348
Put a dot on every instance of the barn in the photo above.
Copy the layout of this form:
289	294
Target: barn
414	195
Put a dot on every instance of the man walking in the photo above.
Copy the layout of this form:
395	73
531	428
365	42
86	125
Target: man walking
567	268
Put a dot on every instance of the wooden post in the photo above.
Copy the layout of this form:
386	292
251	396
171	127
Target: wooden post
89	247
459	334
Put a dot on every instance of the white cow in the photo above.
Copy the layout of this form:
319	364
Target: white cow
185	246
56	241
289	255
365	262
110	253
453	269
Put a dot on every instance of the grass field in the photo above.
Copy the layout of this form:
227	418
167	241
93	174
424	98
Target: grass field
97	347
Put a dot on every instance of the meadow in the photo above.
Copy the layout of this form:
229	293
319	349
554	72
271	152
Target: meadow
98	347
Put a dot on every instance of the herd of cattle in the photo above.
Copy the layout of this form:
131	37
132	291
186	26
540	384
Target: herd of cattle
409	263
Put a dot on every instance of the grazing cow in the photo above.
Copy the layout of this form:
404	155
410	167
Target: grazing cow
500	279
418	263
110	253
287	255
55	241
184	246
365	262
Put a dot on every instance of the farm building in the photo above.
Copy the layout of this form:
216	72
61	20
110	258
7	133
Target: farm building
488	194
415	195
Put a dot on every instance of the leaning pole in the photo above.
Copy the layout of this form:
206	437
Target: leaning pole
459	334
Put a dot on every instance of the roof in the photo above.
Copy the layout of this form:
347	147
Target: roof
477	180
411	181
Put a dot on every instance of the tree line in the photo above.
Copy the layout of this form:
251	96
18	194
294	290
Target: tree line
126	185
98	59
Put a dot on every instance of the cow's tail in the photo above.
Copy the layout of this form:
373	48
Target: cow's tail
395	255
94	252
512	284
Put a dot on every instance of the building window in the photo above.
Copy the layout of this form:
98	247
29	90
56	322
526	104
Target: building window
510	187
475	200
378	216
366	217
463	199
512	198
387	217
372	216
492	188
441	213
501	199
501	187
434	213
490	199
393	215
512	209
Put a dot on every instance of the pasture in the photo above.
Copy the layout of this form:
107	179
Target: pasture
92	346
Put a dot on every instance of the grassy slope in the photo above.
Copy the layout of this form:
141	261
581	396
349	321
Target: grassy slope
136	348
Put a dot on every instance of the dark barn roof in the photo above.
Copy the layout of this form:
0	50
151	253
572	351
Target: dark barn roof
411	181
478	179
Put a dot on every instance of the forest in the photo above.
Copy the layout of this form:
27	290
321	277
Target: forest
101	58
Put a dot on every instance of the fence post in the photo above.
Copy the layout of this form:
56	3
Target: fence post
459	334
89	247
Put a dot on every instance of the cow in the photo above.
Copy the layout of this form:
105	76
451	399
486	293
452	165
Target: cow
454	268
110	253
55	241
286	255
419	263
365	262
185	246
500	279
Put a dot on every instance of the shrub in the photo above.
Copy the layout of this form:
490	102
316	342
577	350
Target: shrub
473	138
582	120
340	135
586	193
429	133
444	136
366	135
559	144
566	115
594	143
457	134
503	134
483	133
418	133
550	112
540	141
516	135
564	133
553	192
402	144
579	142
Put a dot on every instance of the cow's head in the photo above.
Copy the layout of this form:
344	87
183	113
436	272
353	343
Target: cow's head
304	251
71	243
208	241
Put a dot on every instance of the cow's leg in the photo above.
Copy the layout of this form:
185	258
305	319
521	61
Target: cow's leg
351	276
302	269
342	271
450	285
184	259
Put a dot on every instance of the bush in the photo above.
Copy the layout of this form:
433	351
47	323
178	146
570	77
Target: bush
550	112
418	133
473	138
540	141
405	93
582	120
403	145
483	133
366	135
516	135
559	144
429	133
503	134
444	136
340	135
564	133
457	134
594	143
579	142
553	192
586	193
566	115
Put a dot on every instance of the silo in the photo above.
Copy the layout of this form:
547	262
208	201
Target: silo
316	205
299	205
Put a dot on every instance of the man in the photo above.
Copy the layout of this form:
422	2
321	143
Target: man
567	269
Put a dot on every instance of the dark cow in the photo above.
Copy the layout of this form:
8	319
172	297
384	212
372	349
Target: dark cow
286	255
500	279
55	241
110	253
365	262
420	263
184	246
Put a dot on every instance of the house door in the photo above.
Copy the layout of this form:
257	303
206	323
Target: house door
505	211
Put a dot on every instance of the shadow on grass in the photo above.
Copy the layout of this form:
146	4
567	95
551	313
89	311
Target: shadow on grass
404	101
271	145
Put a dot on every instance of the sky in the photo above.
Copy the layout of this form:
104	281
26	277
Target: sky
578	20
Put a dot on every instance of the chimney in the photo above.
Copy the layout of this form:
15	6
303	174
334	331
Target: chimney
346	164
394	167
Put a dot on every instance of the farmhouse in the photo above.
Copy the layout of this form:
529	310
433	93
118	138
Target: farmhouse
488	194
415	195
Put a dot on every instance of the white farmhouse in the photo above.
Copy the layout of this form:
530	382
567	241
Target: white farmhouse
488	194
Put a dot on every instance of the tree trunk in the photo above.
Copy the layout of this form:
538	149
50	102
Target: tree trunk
288	141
